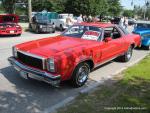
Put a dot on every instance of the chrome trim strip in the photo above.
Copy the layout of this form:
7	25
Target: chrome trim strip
102	63
34	56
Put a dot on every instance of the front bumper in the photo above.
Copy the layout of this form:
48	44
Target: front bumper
28	72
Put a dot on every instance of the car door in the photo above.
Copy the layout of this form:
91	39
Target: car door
113	48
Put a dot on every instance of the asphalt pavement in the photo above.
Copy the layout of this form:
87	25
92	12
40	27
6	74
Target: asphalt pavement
28	96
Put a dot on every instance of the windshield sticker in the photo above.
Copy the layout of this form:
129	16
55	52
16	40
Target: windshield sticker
91	35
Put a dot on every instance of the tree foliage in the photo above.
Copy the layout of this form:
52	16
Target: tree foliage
88	7
114	7
9	5
128	13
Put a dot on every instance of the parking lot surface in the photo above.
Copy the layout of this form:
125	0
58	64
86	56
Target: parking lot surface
23	96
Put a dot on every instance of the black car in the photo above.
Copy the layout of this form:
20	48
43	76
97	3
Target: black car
41	24
115	20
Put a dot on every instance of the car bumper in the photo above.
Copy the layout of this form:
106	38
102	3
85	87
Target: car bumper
28	72
9	32
46	29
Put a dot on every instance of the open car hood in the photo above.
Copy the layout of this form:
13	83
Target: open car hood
9	18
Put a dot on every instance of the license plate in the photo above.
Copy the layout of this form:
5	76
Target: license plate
23	74
12	32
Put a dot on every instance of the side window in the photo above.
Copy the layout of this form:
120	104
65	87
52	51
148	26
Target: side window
115	33
108	32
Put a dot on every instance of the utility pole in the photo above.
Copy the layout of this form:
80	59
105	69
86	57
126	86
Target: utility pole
29	10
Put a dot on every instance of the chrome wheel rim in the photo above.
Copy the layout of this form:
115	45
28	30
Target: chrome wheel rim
129	53
83	74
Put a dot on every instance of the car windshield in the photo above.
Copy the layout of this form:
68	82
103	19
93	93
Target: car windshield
84	32
42	18
143	25
6	19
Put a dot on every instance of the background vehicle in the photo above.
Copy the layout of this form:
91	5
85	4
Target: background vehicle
9	25
41	23
131	21
60	22
115	20
73	54
143	29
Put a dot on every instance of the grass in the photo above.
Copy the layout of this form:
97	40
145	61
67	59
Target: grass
130	94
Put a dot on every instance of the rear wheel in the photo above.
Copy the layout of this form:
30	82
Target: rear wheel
61	28
127	56
80	75
37	30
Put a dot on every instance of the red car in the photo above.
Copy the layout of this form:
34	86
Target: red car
73	54
9	25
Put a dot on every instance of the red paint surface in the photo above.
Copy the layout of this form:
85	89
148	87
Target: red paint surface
69	52
6	29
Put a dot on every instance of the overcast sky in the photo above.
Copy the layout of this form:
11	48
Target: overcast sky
127	3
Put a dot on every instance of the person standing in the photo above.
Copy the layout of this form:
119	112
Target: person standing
69	21
80	19
122	22
126	22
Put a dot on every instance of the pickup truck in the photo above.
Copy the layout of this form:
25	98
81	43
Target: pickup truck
60	22
74	53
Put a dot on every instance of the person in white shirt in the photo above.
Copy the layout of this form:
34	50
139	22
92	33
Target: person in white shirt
122	21
126	22
80	19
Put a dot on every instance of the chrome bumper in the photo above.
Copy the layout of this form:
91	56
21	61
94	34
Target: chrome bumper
28	72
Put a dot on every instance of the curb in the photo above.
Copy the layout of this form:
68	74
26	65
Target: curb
63	103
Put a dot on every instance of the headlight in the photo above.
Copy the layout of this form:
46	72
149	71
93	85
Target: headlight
51	65
14	52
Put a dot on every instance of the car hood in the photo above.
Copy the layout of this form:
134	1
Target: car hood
49	47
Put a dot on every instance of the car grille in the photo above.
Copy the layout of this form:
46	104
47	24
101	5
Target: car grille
30	60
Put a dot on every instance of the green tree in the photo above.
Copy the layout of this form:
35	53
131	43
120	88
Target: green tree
114	7
88	7
128	13
9	5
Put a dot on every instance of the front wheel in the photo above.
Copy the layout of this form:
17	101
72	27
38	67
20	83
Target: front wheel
127	56
80	75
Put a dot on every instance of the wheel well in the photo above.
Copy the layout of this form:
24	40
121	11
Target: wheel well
133	45
90	63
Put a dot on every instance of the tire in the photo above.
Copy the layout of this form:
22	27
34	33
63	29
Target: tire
53	31
61	28
37	30
127	56
80	75
147	47
19	35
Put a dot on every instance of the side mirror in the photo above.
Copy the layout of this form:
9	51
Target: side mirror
108	39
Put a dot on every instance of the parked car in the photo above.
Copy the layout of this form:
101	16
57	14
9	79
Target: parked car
115	20
41	23
9	25
143	29
131	21
60	22
74	53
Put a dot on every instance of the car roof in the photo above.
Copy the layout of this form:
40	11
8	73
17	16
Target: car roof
97	24
143	22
